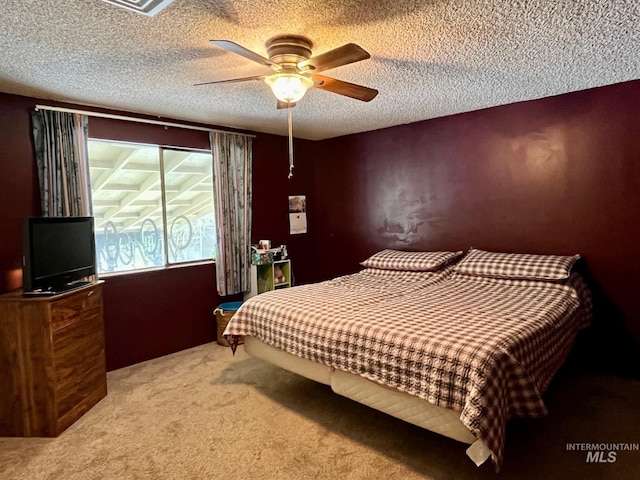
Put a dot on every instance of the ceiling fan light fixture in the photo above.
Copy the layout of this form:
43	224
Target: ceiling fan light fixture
289	87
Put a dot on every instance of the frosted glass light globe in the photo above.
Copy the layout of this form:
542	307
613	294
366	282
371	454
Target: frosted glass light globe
288	87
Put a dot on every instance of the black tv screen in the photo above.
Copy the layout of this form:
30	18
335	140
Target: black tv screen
58	251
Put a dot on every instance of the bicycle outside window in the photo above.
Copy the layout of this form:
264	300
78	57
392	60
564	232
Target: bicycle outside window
153	205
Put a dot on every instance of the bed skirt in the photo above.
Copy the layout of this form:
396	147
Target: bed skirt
401	405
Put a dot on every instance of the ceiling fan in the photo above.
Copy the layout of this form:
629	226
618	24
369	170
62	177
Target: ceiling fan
296	70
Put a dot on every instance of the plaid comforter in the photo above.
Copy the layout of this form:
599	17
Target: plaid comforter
485	347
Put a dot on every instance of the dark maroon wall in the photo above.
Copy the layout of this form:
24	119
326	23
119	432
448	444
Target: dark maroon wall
150	314
147	314
557	175
271	190
19	197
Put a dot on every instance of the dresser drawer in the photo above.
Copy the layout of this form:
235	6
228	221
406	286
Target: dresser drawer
79	362
77	307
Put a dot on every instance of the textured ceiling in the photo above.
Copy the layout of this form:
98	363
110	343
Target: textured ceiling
429	58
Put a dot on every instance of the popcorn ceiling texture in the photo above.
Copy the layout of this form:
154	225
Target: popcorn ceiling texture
430	58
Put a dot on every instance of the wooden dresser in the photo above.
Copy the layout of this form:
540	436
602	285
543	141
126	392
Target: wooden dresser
52	360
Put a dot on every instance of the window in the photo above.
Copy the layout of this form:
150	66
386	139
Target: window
153	206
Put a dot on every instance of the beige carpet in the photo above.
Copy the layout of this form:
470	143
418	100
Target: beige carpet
203	414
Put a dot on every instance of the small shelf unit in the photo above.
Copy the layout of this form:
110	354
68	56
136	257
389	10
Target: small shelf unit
272	276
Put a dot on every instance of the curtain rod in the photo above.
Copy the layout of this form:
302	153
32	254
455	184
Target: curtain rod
134	119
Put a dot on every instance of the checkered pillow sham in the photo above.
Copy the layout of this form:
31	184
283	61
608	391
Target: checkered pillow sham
518	266
409	261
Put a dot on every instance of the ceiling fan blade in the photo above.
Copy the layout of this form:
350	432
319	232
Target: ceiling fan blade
347	89
281	105
244	52
231	80
337	57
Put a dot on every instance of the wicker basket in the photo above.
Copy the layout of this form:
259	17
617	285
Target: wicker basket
223	314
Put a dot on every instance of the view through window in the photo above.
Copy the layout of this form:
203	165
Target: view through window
153	206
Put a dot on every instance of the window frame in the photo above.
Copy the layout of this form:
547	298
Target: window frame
167	264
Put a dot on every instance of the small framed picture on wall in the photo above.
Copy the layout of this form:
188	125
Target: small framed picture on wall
297	214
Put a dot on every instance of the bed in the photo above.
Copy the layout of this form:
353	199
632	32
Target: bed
454	346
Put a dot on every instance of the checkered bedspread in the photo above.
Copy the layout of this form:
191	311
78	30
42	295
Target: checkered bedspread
485	347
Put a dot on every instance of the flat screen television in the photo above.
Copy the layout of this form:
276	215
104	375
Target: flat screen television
58	253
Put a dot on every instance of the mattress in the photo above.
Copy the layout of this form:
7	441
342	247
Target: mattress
408	408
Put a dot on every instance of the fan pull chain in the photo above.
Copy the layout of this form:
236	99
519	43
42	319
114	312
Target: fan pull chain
290	144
